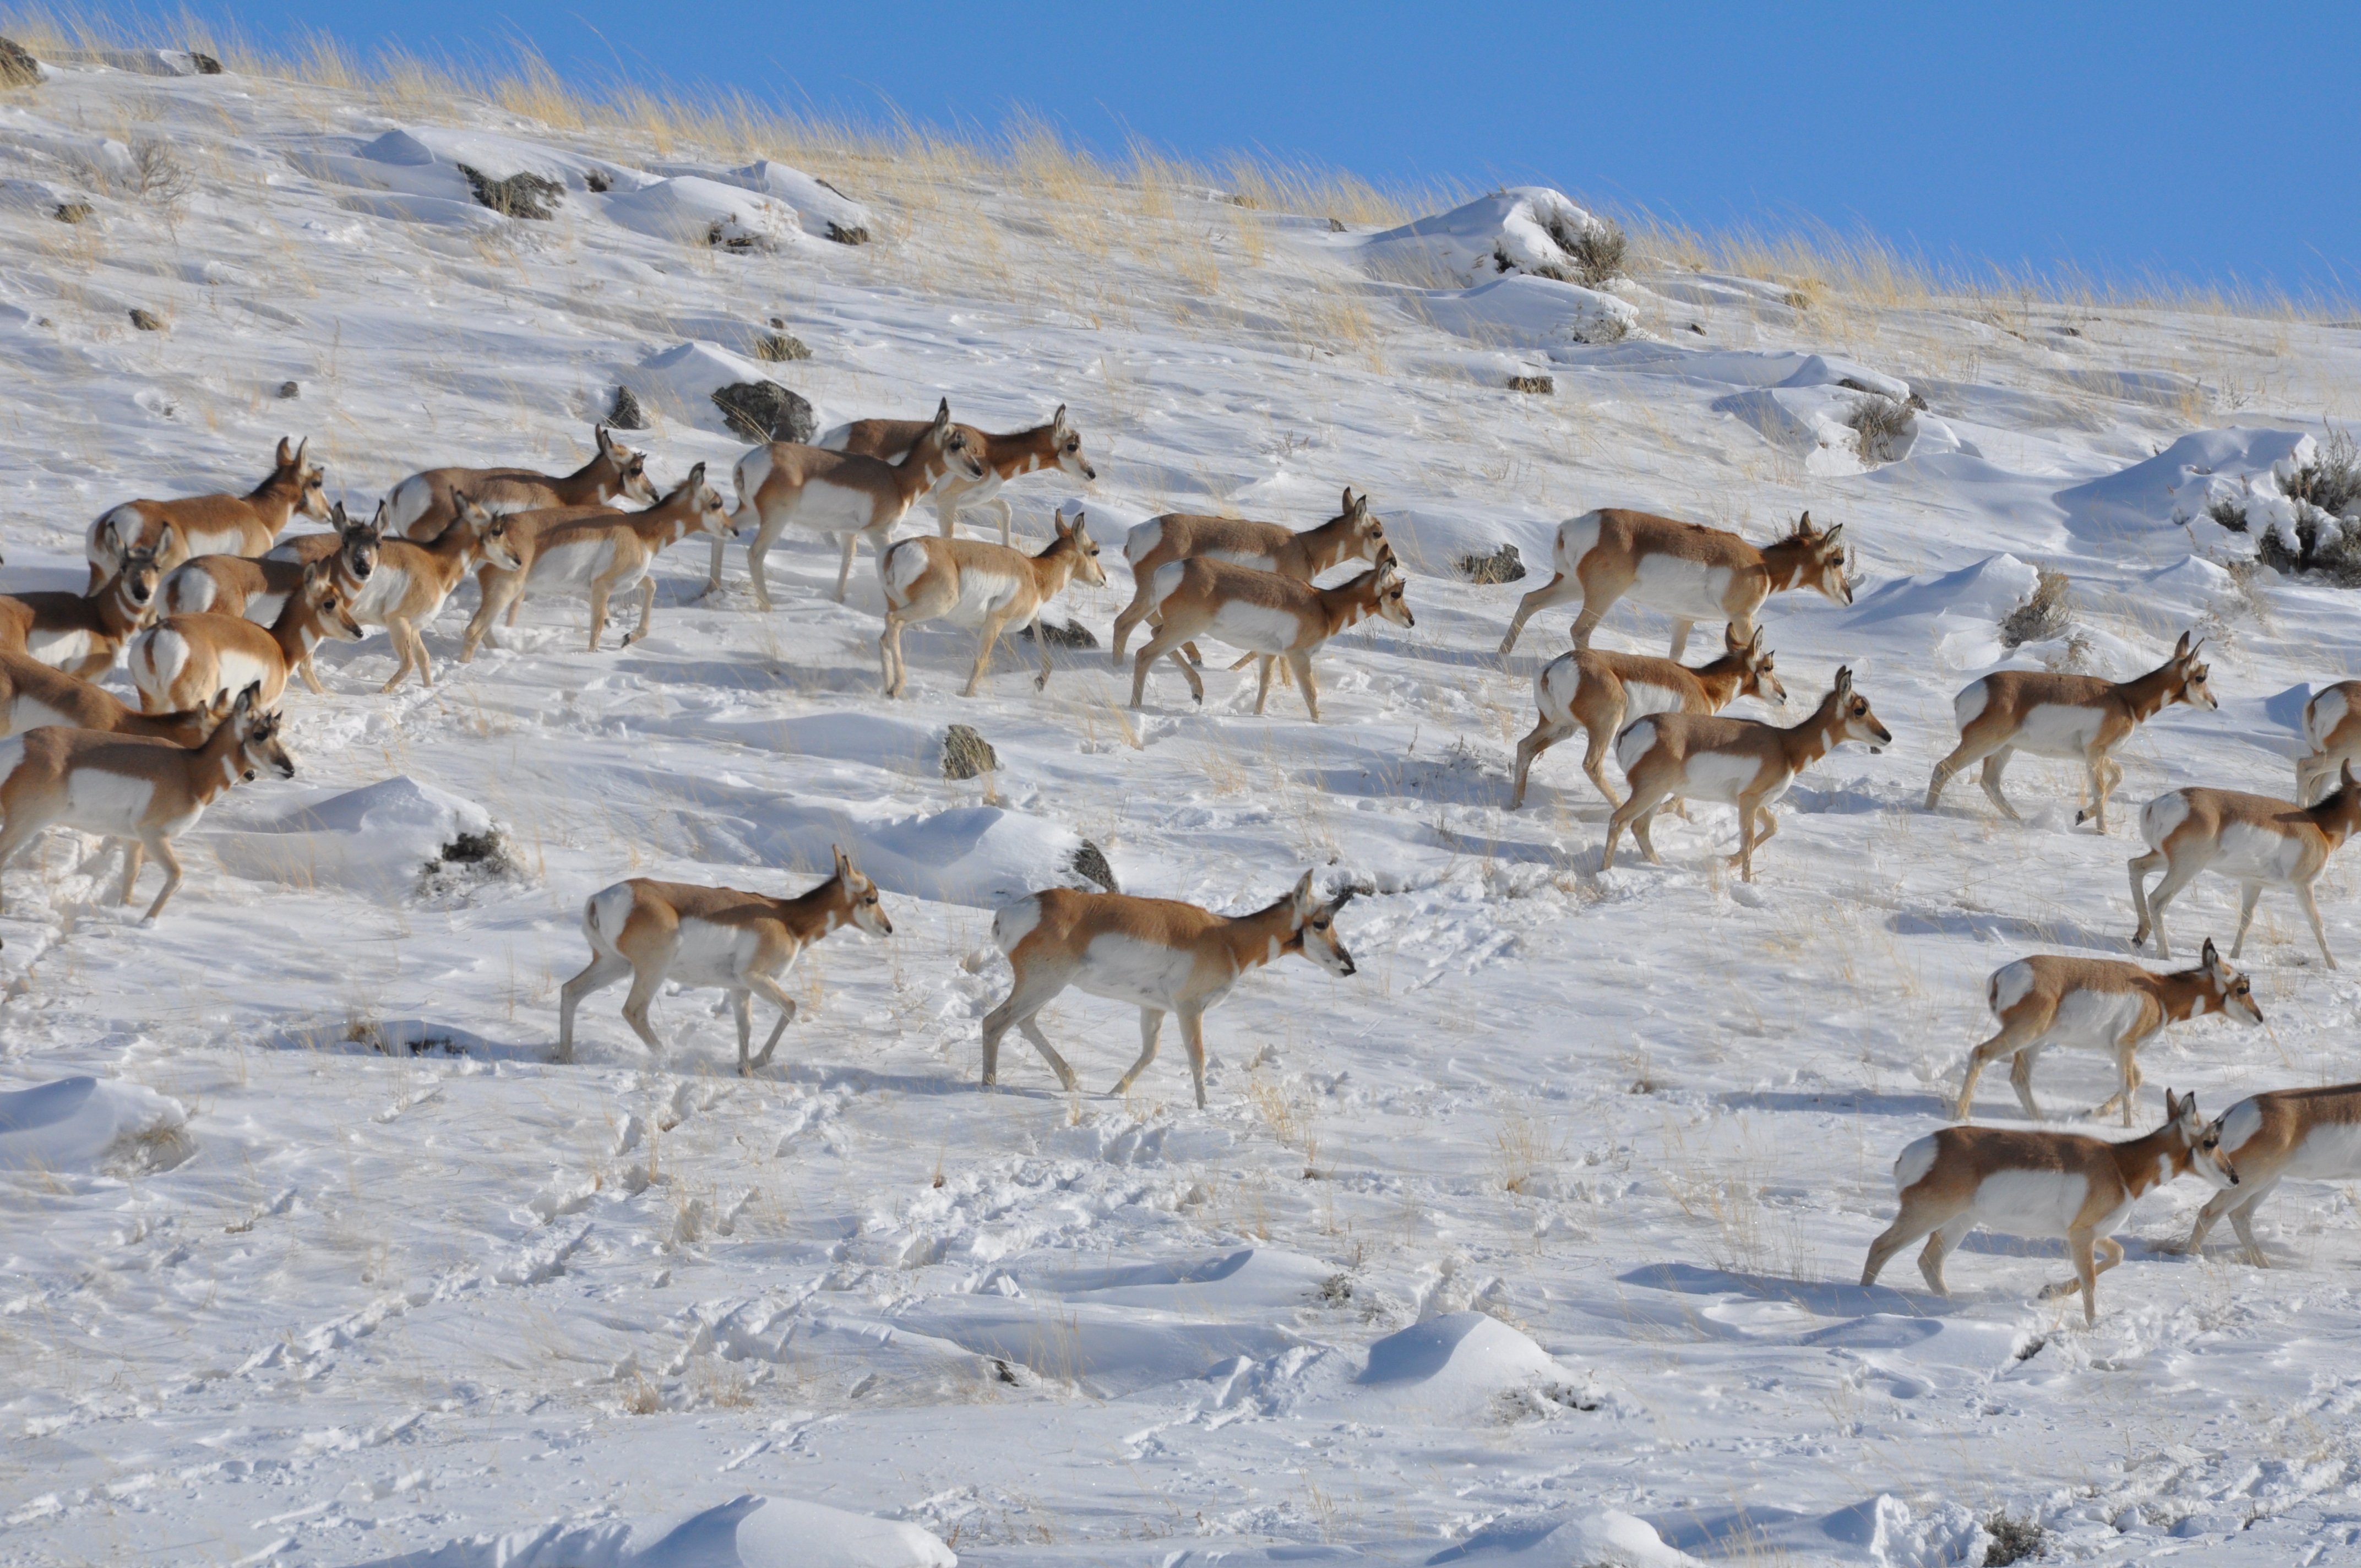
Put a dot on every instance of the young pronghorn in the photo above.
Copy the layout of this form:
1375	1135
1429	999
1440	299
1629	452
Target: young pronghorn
2041	1184
139	789
32	695
2080	717
194	660
1690	572
2311	1134
1353	534
1158	954
1741	762
421	506
744	943
970	583
1052	445
596	555
841	493
411	581
257	588
2332	726
1600	692
85	635
2253	839
2047	1000
1262	612
211	525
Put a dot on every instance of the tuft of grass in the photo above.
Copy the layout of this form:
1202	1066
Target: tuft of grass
518	196
1878	425
2013	1539
2046	615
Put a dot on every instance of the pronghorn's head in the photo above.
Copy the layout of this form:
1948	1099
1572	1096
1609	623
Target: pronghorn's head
2201	1138
1369	534
331	613
1067	443
500	546
632	481
2228	991
1756	677
960	458
1392	602
1314	935
2189	676
1075	537
1854	720
362	541
310	480
706	514
1822	563
861	901
142	571
255	729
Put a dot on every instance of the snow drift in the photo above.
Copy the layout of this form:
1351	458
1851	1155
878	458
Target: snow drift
88	1125
745	1532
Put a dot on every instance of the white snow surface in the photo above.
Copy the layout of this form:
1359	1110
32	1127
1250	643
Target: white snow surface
1536	1240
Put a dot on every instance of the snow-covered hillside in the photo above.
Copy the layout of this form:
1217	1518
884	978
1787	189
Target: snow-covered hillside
1533	1242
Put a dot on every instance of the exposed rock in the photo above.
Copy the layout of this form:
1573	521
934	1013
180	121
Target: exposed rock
967	754
145	320
17	66
764	411
598	181
1335	225
627	414
1502	566
1697	327
1073	634
1540	386
778	346
849	234
291	389
518	196
1090	863
206	64
75	211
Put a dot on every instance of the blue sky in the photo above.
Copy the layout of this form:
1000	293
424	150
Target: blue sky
2206	143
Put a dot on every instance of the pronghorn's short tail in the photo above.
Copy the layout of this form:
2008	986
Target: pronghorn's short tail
1167	578
747	476
1142	540
604	915
1011	924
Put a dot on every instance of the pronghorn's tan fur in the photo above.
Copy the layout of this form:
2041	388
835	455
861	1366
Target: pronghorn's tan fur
2050	1000
2080	717
1158	954
1687	571
411	581
2311	1134
2253	839
85	635
1263	613
2332	726
1600	692
594	555
194	660
1355	533
973	583
32	695
421	506
2040	1184
212	525
1053	446
257	587
744	943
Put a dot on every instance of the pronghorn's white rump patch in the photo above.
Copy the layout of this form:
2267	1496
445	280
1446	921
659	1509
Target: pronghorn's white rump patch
1012	923
408	503
1576	537
902	566
1555	688
605	915
1167	578
1142	540
2008	985
747	476
2323	714
2161	815
2245	1120
1911	1166
1969	706
1634	743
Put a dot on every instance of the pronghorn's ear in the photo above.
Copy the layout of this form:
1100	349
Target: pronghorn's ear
286	450
943	415
336	518
1356	506
1829	539
1754	643
2209	958
247	700
2172	1106
1844	680
1058	424
376	520
1803	523
163	541
2345	782
302	447
1305	900
697	475
2181	650
843	861
605	439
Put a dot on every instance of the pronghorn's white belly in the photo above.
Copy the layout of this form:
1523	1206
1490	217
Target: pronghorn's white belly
1258	628
2330	1152
30	712
573	567
2035	1202
831	509
1124	968
102	802
2094	1017
2057	730
235	669
1678	585
982	595
214	541
1724	776
1641	700
713	954
2256	853
58	649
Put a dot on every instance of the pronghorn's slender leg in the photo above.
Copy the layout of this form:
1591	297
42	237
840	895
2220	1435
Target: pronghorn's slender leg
888	646
502	591
2099	767
2242	1220
1530	749
947	510
1633	813
1908	1227
1034	990
647	977
2081	1244
1302	665
1007	519
2249	894
2020	1077
741	1008
1680	637
1157	646
1151	1030
161	848
1963	757
516	604
604	969
1598	745
599	592
1041	644
1192	1035
2312	912
713	578
844	572
396	631
2141	865
983	646
772	992
647	610
2009	1042
1946	1240
1262	687
311	676
757	555
1030	1028
2181	875
1995	765
2128	1079
134	855
1558	589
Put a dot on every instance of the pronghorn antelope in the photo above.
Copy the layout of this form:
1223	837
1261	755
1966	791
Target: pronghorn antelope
1053	446
1741	762
423	505
2080	717
257	588
2041	1184
85	635
2332	725
2311	1134
1159	955
1263	613
2253	839
194	660
411	581
744	943
2047	1000
32	695
1687	571
1353	534
841	493
211	525
1600	692
970	583
139	789
596	555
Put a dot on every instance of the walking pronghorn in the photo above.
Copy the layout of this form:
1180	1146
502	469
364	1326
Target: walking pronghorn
1053	446
257	587
2048	999
970	583
2080	717
2332	726
1741	762
32	695
1158	954
85	634
423	505
2041	1184
1600	692
194	660
2253	839
1690	572
841	493
2311	1134
1353	534
413	580
745	943
211	525
1263	613
142	790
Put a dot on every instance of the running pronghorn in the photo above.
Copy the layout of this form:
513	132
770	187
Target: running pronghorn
841	493
2052	1001
1690	573
596	555
1159	955
2080	717
411	581
211	525
2041	1184
423	505
2332	726
1741	762
2253	839
2311	1134
1353	534
1052	445
970	583
140	789
85	635
32	695
1262	612
745	943
257	588
195	661
1600	692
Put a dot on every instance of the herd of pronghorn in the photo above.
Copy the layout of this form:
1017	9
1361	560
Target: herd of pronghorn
212	611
